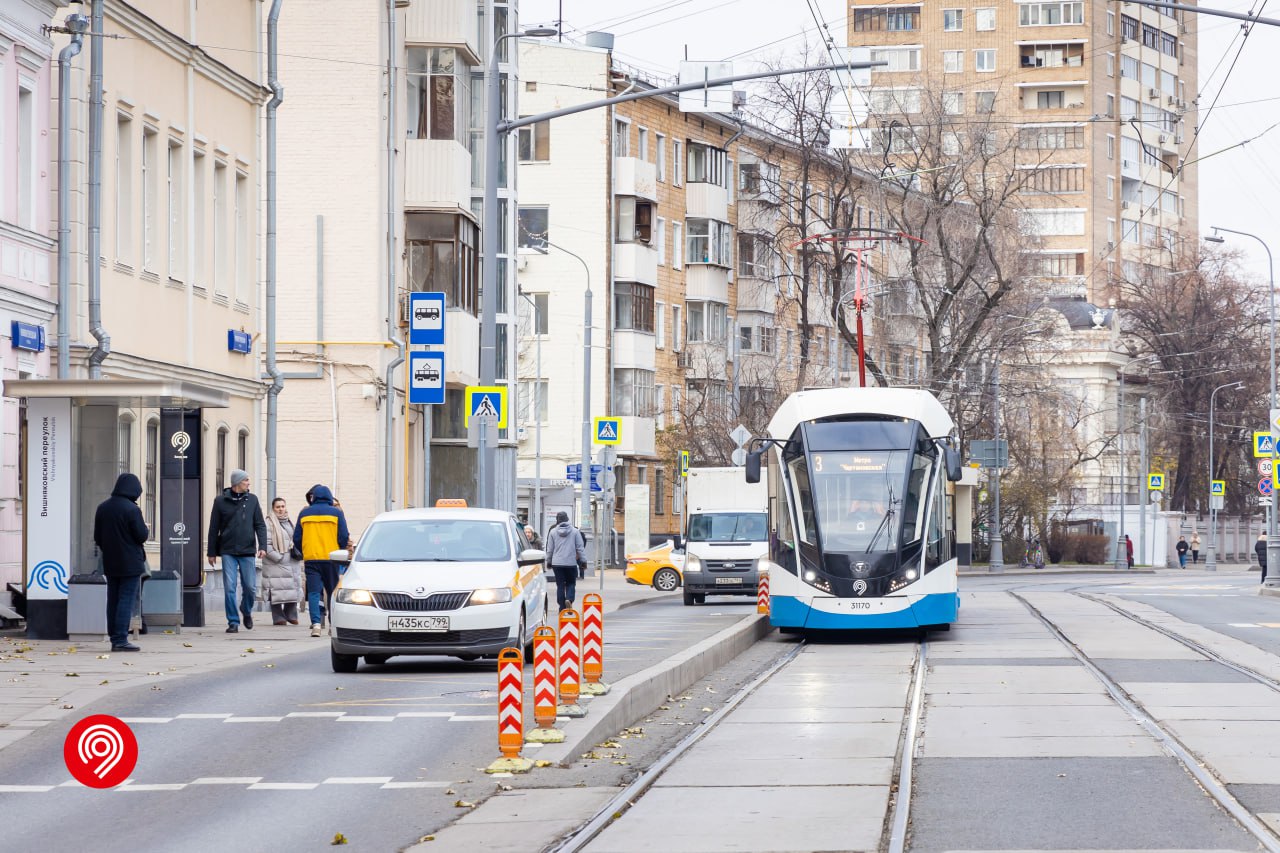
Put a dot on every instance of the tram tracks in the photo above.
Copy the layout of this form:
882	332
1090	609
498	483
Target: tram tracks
1203	775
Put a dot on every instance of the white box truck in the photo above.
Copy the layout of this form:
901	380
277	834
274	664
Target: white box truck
726	531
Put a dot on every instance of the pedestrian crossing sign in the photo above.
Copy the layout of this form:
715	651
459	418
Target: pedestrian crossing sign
1155	482
486	401
608	430
1217	488
1263	445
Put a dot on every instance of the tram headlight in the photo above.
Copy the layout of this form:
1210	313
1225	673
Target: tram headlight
810	575
911	574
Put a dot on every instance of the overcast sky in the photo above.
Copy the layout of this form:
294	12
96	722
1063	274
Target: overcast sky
1238	189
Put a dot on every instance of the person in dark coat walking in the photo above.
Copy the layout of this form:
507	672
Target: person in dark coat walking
120	533
1182	548
235	525
1260	548
1128	549
565	554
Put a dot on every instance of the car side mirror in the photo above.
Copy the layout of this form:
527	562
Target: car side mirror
753	466
531	556
951	457
343	556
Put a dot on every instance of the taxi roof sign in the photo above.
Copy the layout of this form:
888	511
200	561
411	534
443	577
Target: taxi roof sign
451	502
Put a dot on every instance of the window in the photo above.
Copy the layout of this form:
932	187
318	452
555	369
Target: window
124	188
28	154
1055	180
1048	136
1111	105
952	61
1051	99
1111	65
534	145
894	100
621	138
198	211
662	241
1128	28
533	401
633	306
1057	264
984	60
709	242
443	259
532	223
753	255
1050	14
984	102
1051	55
438	88
660	153
660	325
541	302
1150	37
768	337
244	242
632	393
984	19
706	164
746	336
952	20
899	58
1111	23
1064	221
635	220
677	245
1111	147
953	103
219	227
1111	187
220	460
150	196
151	475
677	400
176	205
242	450
708	321
677	163
1168	44
643	152
676	330
895	19
124	443
660	406
659	487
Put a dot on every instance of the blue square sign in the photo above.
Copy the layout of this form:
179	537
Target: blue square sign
426	319
426	378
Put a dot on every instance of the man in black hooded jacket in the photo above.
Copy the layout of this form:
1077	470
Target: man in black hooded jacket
120	533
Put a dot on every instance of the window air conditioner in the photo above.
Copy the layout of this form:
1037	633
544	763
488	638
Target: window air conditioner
1153	94
1172	101
1124	205
405	311
1178	139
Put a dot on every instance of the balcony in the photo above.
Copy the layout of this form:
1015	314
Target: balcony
633	349
635	262
757	294
444	23
462	364
635	177
1055	95
706	360
437	174
706	282
707	200
637	437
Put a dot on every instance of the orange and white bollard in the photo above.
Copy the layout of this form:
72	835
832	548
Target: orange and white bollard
762	593
510	714
544	688
593	645
570	664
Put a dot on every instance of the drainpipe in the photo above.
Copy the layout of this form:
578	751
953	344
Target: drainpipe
76	24
102	348
273	370
389	464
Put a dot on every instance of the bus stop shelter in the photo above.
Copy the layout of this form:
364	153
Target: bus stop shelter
72	458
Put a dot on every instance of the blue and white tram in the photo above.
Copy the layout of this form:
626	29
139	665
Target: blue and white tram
860	532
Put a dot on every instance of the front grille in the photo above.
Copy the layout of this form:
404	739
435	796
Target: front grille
424	638
728	565
404	602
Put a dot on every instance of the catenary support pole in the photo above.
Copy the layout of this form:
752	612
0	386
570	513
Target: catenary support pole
393	333
995	561
273	369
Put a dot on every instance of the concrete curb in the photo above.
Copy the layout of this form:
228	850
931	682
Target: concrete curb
1081	570
635	601
638	694
1269	591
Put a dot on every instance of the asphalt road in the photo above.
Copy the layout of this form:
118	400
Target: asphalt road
286	756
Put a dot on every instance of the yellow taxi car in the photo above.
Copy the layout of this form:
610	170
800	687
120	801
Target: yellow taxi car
661	568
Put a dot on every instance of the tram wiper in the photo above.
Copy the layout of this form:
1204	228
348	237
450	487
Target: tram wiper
884	522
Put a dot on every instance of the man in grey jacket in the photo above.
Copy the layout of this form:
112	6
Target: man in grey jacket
564	553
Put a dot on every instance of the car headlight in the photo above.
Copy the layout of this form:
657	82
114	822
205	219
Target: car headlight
354	596
692	563
490	596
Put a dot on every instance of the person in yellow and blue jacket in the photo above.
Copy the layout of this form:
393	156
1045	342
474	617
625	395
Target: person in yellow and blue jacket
321	529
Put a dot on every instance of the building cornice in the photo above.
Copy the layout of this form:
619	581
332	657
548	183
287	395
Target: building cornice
125	366
27	238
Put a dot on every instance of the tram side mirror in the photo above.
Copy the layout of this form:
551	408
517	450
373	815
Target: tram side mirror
753	466
952	459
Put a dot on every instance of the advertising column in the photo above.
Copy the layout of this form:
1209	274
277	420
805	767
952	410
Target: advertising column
181	539
48	512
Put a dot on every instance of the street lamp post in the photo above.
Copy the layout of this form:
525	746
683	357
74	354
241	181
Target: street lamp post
1122	548
489	241
536	513
1211	556
1273	541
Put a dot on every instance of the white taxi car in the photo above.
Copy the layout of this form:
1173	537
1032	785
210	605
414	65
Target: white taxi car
440	581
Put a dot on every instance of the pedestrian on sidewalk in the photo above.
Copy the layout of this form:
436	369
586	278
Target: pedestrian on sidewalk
565	553
120	533
1182	548
282	569
321	530
1260	548
235	525
1195	548
1128	549
531	536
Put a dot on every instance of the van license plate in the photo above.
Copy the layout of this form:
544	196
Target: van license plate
417	623
729	581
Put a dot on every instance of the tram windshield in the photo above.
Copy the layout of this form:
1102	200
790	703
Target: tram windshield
861	501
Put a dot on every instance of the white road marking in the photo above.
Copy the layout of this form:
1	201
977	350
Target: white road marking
26	789
226	780
204	716
357	780
133	721
445	714
1243	625
314	714
395	785
253	719
473	718
178	786
283	786
357	719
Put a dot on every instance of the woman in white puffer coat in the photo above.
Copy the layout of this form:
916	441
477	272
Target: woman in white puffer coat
281	573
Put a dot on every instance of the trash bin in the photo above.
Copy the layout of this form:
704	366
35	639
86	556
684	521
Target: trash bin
87	609
162	600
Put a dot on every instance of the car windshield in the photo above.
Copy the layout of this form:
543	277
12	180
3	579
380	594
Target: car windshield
447	540
727	527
